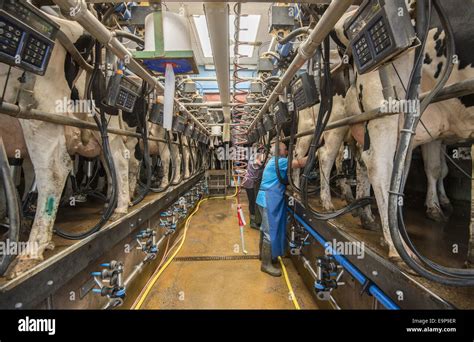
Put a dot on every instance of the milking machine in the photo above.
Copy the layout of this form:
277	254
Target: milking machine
403	244
95	89
111	282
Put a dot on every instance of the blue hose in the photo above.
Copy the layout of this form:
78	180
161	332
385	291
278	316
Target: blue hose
349	267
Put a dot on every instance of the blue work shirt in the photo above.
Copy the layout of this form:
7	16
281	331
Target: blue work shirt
270	178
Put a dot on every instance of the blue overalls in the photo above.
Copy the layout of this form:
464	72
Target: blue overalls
272	204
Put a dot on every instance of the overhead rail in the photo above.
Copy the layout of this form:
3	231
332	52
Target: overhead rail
77	10
217	18
458	89
306	50
60	119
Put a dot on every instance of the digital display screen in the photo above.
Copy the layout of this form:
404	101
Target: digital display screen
29	18
40	25
364	18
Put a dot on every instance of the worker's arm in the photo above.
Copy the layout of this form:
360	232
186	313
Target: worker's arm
298	163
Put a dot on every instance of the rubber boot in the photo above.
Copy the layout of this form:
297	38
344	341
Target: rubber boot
253	223
267	265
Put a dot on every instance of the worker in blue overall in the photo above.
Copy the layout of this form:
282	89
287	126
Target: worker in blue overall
272	205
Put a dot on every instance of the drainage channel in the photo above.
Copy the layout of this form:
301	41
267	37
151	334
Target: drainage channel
216	258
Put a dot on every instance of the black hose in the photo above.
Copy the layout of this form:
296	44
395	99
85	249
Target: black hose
450	276
293	34
13	205
181	167
102	126
143	127
277	156
131	36
325	109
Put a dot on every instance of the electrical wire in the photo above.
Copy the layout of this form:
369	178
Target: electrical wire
288	284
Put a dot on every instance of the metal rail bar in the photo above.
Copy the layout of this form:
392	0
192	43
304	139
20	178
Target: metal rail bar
333	13
458	89
77	10
35	114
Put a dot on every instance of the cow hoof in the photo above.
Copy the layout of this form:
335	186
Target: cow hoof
436	214
328	207
50	246
20	266
371	225
115	216
448	208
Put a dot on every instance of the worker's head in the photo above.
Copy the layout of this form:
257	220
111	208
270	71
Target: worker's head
283	150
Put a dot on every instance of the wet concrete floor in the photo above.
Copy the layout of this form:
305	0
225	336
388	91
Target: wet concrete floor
223	284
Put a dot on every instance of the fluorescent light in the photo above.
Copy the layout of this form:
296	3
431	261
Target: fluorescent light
203	34
249	23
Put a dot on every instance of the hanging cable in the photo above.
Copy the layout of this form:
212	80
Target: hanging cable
441	274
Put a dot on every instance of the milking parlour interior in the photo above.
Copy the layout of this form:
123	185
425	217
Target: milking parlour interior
312	155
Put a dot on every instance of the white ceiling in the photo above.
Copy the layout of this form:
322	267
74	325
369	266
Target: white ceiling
196	8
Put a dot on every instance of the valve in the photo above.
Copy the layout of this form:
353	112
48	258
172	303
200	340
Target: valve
329	273
147	243
112	274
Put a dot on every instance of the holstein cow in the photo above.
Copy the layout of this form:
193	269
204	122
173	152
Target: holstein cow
451	120
328	152
49	146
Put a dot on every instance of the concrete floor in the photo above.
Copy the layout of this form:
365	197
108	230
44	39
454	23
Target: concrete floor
223	284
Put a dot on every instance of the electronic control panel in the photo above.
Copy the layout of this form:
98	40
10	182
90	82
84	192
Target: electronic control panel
304	90
379	31
156	114
122	92
178	124
280	113
26	36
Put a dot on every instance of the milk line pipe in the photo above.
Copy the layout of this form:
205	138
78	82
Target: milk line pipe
219	104
306	50
349	267
137	269
457	89
20	112
76	10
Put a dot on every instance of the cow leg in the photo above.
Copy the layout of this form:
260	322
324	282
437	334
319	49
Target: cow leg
187	174
443	198
344	186
327	155
52	164
379	161
165	164
133	170
177	157
432	164
367	218
121	156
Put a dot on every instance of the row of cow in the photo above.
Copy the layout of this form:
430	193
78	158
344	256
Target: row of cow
375	142
46	149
